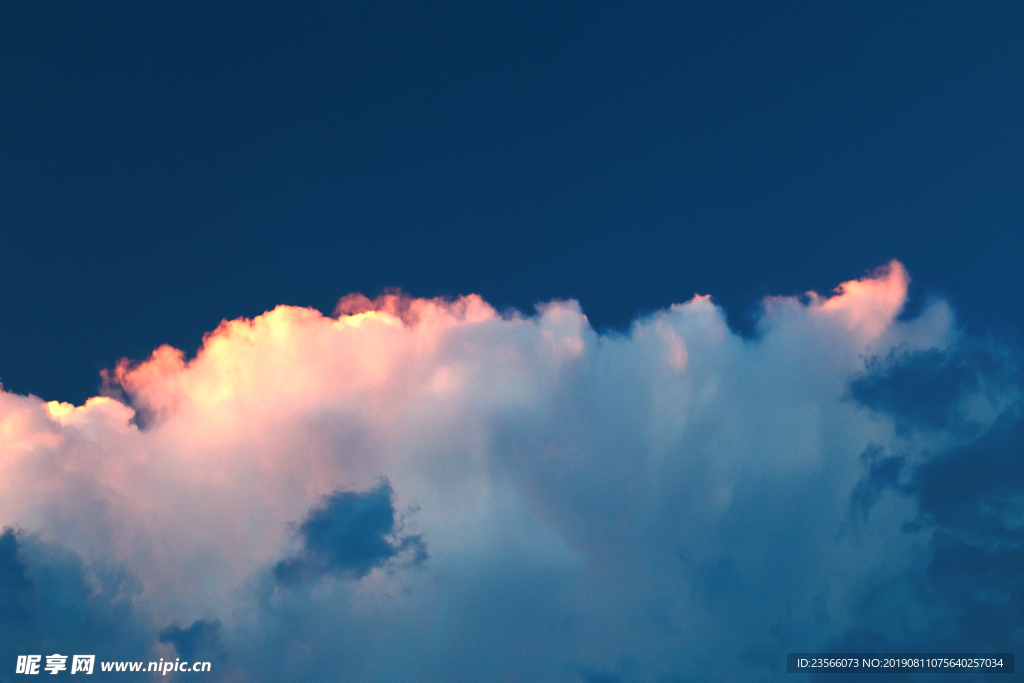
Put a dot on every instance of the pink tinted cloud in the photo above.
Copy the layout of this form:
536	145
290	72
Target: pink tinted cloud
532	433
867	306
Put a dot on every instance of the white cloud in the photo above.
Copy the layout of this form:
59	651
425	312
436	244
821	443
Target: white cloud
671	500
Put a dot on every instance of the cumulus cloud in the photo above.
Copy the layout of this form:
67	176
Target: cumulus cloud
430	490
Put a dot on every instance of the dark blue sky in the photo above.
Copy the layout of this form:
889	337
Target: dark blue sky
166	166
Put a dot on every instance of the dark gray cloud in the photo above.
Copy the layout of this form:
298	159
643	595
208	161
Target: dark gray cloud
971	485
15	588
883	474
53	602
349	535
926	389
198	642
965	590
977	488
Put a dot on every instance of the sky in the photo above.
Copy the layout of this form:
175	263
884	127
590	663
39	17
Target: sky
583	342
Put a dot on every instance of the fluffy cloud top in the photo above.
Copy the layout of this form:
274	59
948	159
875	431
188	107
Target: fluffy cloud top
429	490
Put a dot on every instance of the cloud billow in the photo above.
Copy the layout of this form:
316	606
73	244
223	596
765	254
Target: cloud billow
966	591
350	534
673	503
198	642
15	588
51	601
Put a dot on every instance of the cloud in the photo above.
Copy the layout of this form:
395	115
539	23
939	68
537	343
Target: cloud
673	503
198	642
940	389
15	588
350	534
53	602
964	591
